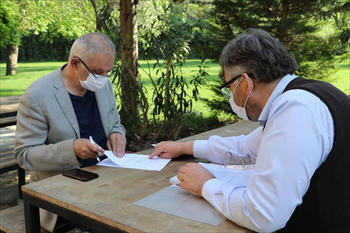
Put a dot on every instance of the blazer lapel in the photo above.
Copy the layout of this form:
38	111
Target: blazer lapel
64	101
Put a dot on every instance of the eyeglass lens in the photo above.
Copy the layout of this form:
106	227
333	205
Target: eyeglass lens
226	92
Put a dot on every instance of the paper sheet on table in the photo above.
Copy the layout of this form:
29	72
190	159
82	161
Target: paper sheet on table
134	161
229	175
107	163
177	201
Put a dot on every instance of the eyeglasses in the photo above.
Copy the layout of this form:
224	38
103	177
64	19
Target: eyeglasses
109	73
229	158
225	88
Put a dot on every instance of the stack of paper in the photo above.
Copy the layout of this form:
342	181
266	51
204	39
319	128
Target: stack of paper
134	161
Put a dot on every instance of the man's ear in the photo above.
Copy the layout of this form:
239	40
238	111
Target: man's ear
74	63
247	84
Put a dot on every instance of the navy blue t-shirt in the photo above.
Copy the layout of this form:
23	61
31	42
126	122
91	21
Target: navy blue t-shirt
89	120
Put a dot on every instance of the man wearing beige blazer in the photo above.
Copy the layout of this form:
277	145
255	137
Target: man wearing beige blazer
58	113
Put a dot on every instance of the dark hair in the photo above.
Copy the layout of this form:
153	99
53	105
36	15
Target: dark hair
256	51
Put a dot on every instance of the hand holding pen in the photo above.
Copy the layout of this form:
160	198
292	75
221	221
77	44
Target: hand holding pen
85	149
93	143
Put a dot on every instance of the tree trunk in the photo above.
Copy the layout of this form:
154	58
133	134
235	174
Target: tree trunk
98	16
12	56
129	58
282	30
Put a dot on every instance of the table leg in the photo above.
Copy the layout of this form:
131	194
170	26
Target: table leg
31	213
21	181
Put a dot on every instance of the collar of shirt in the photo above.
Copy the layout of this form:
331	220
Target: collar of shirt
275	94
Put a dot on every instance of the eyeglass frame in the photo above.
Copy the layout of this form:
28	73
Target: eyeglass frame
107	76
229	155
228	83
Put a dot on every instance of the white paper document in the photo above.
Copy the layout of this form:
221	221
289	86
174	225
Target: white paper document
229	175
134	161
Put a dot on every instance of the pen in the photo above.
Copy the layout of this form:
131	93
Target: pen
92	142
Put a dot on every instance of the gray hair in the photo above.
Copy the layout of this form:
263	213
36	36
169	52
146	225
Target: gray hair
88	44
256	52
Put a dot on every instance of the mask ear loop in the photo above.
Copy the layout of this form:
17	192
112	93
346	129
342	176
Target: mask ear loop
84	65
249	93
77	75
233	93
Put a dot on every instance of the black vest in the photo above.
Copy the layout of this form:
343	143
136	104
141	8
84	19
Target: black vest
326	204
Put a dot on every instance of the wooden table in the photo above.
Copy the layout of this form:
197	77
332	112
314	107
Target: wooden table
106	203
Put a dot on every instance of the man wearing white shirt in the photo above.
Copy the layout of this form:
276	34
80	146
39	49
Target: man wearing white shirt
301	151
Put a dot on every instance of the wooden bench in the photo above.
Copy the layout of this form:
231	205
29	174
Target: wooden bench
7	159
8	110
10	164
12	221
8	118
8	113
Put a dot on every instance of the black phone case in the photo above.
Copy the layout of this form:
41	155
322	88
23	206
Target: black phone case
80	174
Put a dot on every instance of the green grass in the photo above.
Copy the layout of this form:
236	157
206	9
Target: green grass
27	73
341	79
30	71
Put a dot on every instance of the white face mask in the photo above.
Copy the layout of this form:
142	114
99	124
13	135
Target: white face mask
92	83
241	112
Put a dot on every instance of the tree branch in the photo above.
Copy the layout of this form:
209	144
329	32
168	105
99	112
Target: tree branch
270	9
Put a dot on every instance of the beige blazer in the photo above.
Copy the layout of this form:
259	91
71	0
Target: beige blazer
47	127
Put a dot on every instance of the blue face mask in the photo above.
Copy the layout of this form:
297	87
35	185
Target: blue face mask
241	112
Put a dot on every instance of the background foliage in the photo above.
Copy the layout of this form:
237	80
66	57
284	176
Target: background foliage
171	32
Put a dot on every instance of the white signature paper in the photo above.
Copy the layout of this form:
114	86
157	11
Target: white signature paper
134	161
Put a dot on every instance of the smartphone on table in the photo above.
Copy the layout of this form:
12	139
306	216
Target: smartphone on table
80	174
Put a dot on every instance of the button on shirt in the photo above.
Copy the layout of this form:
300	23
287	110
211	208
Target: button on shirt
297	139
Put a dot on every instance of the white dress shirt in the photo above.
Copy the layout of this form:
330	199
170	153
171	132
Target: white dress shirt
296	140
